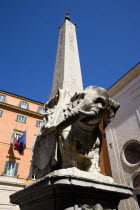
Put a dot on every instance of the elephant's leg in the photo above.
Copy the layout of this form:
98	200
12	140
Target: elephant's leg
69	152
95	157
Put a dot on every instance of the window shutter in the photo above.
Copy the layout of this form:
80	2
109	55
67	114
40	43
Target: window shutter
16	169
37	123
27	105
1	112
31	175
6	167
30	172
20	103
25	119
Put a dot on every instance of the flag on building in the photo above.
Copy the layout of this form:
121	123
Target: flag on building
14	140
13	136
22	143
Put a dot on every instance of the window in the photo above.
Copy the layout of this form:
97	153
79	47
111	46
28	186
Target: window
1	112
11	168
131	153
38	123
21	118
2	98
31	175
24	105
18	136
136	182
41	110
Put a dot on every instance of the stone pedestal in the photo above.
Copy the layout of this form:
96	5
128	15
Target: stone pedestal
59	191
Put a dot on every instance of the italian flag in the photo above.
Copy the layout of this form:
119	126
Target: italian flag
14	140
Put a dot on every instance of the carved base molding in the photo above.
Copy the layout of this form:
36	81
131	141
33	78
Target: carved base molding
59	192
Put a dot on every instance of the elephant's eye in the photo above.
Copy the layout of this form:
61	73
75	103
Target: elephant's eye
100	101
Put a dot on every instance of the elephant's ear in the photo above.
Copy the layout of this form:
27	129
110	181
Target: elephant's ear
112	108
77	96
53	101
76	99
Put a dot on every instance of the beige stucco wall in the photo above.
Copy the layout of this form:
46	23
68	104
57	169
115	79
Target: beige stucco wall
8	186
125	127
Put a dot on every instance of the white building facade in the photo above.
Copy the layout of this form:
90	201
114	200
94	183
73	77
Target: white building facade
123	135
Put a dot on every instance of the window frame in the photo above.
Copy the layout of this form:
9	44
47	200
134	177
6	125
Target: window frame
26	107
41	108
8	167
18	135
1	112
38	121
123	153
25	118
2	96
31	175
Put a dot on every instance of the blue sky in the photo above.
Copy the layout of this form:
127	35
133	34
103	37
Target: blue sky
108	33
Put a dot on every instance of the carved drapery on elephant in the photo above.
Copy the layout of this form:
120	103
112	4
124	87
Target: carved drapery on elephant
70	135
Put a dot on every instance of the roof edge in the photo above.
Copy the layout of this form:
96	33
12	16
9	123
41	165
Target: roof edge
21	97
124	80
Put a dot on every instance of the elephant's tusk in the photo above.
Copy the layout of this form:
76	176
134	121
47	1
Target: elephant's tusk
85	113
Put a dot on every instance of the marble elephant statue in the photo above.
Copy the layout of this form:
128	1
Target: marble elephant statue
70	135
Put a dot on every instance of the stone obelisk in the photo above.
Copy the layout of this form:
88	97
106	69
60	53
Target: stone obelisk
67	72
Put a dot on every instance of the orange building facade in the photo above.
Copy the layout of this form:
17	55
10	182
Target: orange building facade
22	114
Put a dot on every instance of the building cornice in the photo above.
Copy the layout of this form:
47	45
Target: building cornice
123	81
21	97
16	109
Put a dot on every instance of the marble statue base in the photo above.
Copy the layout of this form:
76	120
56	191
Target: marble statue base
69	189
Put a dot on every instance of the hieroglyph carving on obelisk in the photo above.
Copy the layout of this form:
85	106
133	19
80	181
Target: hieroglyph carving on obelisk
67	72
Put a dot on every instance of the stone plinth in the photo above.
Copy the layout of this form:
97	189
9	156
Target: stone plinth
59	192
